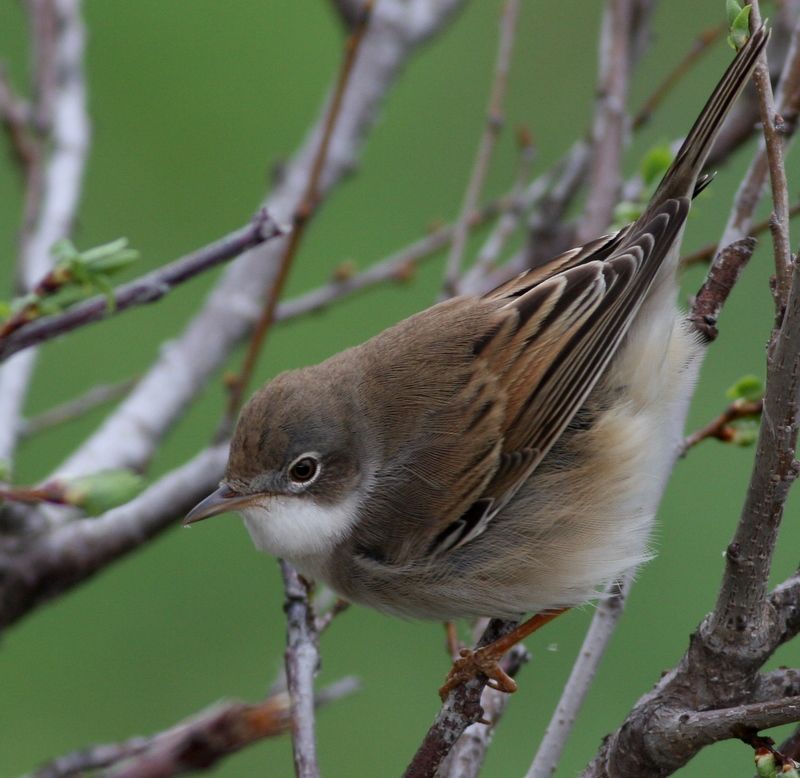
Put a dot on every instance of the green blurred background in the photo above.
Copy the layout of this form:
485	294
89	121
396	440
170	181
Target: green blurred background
192	104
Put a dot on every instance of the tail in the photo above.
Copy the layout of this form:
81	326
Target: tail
682	177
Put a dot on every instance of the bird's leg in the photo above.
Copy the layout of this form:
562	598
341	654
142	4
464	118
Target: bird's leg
486	660
452	643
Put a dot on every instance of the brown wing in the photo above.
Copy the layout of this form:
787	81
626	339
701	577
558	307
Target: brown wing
550	354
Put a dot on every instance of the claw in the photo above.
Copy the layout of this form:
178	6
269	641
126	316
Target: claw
471	664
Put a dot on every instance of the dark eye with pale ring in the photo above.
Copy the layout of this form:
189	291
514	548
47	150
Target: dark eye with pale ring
303	470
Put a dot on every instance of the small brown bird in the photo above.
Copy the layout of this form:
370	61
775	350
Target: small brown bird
495	455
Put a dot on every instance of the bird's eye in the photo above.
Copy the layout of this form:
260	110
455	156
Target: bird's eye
303	469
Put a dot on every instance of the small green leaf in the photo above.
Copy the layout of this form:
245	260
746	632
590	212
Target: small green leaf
5	471
744	432
626	212
732	10
765	764
748	387
99	492
64	250
740	29
655	163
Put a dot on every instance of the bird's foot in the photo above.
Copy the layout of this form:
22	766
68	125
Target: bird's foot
473	663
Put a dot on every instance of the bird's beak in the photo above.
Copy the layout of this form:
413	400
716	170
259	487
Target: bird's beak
222	500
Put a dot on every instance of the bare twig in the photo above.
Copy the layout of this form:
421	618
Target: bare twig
302	664
779	225
195	744
494	124
305	210
147	289
591	653
608	130
740	220
95	397
720	428
15	115
707	252
722	276
700	46
510	218
397	267
129	436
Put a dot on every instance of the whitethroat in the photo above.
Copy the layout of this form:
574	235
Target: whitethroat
496	455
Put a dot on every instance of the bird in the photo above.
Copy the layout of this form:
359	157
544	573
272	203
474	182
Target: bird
496	455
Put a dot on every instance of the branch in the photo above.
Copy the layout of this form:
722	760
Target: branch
742	597
74	409
722	276
749	193
608	130
306	209
700	46
779	222
494	124
461	709
147	289
15	114
562	722
130	435
33	571
467	756
720	428
707	252
194	744
52	192
302	664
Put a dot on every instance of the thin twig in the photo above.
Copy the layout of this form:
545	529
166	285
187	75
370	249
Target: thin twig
720	428
304	212
147	289
722	276
608	129
494	124
702	43
604	623
131	434
94	398
302	664
15	115
510	218
750	190
779	224
195	744
397	267
702	255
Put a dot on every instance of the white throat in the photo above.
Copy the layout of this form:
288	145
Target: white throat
293	527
